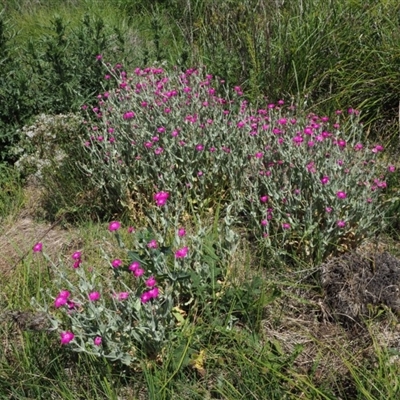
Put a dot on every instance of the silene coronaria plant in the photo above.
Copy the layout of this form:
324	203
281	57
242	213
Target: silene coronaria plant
123	310
304	185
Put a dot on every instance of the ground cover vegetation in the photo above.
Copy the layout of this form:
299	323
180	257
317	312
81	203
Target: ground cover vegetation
196	198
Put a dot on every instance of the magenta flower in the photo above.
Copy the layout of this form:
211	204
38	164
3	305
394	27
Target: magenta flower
97	340
131	229
135	265
181	232
152	244
264	199
297	140
76	255
325	180
138	272
122	295
77	263
151	281
285	225
341	224
145	297
341	195
153	292
116	263
64	293
377	148
37	248
199	147
161	198
60	301
94	296
328	209
264	222
358	147
181	253
391	168
114	226
129	115
66	337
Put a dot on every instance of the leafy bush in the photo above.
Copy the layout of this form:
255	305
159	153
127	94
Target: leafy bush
303	184
59	72
131	309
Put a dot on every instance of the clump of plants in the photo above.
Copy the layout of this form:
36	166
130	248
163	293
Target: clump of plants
44	143
129	307
304	185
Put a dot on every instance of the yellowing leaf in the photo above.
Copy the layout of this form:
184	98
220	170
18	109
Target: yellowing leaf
197	362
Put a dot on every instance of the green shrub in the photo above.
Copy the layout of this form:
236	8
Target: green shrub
304	185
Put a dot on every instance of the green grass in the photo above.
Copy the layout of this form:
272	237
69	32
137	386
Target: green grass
222	350
11	192
335	53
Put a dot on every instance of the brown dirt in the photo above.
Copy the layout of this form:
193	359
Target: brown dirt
23	231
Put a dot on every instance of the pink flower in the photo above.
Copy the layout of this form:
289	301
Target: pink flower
311	167
145	297
138	272
341	143
37	248
122	295
391	168
297	140
60	301
341	224
358	147
181	232
161	198
153	292
152	244
116	263
264	199
129	115
377	148
66	337
199	147
264	222
64	293
135	265
341	195
158	150
131	229
325	180
285	225
76	255
97	340
94	296
151	281
181	253
114	226
77	263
